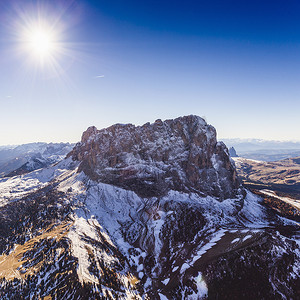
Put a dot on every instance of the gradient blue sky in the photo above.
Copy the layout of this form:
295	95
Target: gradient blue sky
235	62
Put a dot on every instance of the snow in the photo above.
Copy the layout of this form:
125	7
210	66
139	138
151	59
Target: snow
90	227
253	214
245	160
81	227
140	267
71	182
158	224
215	162
148	283
162	297
201	286
293	202
235	240
202	290
184	267
175	269
247	237
19	186
112	207
214	211
217	237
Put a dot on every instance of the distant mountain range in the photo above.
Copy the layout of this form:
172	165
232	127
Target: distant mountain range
264	150
21	159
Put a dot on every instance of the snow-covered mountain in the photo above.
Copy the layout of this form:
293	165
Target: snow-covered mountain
17	160
149	212
181	154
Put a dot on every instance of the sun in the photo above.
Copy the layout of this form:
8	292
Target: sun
40	42
40	39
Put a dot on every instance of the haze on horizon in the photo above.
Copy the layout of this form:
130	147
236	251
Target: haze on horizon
84	63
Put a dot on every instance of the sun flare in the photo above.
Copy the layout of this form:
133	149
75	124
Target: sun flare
41	42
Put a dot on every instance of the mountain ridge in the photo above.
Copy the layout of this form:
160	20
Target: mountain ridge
181	154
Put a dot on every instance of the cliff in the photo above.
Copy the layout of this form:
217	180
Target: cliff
181	154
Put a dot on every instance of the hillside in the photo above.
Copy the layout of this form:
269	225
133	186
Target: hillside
281	176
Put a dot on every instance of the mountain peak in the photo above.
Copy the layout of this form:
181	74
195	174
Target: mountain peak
177	154
92	130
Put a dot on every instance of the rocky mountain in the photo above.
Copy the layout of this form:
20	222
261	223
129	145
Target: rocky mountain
181	155
148	212
232	152
17	160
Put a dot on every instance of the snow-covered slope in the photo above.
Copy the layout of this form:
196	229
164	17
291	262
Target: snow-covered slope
71	236
22	159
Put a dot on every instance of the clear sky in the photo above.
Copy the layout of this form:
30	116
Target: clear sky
235	62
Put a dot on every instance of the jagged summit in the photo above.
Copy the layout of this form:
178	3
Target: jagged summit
180	154
232	152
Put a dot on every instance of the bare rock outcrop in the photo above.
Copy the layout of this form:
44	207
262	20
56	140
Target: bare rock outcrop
180	154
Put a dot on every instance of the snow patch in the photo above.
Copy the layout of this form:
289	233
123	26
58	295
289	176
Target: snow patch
162	297
247	237
184	267
201	286
217	237
235	240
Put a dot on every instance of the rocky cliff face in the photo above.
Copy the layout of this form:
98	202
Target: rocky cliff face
181	154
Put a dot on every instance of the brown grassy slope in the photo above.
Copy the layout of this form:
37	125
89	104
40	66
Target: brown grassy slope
281	176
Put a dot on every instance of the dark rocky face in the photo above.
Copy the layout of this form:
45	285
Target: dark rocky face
180	154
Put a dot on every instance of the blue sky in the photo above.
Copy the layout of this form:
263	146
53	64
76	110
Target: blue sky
235	62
